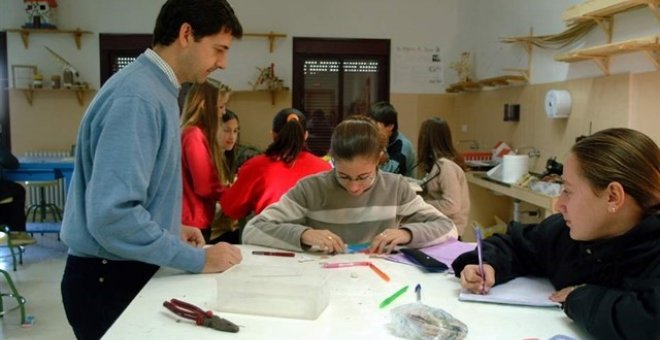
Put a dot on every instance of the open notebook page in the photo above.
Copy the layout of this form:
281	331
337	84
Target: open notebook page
526	291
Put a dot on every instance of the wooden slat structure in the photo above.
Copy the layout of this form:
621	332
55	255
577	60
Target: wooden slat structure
505	80
601	54
477	85
594	9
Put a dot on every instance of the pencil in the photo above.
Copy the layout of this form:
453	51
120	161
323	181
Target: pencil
273	253
393	297
379	272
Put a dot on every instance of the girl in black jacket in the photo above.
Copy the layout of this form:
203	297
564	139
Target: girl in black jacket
602	252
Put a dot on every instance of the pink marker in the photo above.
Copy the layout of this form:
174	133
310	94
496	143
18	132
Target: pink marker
346	264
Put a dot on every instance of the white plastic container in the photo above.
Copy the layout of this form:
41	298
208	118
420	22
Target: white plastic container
289	292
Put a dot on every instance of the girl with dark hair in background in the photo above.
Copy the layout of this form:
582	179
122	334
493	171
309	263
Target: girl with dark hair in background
228	139
443	167
263	179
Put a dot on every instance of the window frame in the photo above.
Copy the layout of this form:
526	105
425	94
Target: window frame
339	48
111	44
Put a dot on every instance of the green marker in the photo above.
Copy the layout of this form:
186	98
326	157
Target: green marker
393	297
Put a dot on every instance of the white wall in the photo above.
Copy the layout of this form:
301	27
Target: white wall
418	23
452	25
482	23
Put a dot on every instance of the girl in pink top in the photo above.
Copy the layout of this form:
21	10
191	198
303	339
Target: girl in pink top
202	162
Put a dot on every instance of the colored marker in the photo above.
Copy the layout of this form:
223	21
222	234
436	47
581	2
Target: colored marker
393	297
346	264
273	253
379	272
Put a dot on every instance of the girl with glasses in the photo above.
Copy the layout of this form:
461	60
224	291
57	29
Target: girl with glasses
355	203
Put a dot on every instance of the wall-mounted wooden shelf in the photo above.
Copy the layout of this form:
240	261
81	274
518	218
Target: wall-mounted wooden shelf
79	92
25	34
270	36
273	93
478	85
601	54
597	9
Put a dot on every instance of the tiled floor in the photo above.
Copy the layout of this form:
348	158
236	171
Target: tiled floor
38	280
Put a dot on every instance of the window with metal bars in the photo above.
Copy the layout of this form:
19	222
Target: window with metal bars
335	78
119	50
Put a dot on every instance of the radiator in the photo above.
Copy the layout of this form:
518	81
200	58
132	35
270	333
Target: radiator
52	194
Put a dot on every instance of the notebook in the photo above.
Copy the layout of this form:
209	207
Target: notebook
525	291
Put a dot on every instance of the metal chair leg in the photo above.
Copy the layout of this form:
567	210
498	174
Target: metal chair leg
14	294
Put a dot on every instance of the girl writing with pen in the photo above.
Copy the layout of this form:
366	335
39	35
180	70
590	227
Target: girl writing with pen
354	203
602	251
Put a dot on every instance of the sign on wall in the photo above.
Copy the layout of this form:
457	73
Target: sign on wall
417	69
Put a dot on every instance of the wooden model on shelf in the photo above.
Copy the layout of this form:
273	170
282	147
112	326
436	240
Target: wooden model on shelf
463	67
466	83
267	78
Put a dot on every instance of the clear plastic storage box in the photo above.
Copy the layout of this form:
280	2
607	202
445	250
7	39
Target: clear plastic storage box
289	292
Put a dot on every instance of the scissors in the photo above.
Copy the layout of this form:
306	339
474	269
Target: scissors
201	317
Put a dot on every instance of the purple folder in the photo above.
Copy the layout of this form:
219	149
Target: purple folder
445	252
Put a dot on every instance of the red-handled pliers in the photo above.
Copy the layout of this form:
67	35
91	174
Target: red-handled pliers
201	317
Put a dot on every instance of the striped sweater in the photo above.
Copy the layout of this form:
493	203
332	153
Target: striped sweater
320	202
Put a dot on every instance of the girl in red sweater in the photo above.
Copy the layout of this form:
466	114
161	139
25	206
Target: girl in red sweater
202	162
262	180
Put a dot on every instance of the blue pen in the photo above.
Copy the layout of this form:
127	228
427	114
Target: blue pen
477	231
418	291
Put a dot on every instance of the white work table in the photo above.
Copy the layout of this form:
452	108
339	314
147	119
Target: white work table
352	313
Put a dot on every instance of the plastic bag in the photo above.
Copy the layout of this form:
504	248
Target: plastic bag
419	321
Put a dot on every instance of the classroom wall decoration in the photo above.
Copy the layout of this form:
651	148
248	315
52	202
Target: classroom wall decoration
417	69
40	13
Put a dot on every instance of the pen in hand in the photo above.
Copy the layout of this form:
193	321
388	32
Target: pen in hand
477	232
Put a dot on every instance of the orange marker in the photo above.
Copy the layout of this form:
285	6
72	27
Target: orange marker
379	272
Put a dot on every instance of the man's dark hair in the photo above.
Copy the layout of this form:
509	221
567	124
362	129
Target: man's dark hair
206	17
384	112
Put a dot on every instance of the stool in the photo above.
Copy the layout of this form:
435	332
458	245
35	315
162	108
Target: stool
13	293
42	207
16	242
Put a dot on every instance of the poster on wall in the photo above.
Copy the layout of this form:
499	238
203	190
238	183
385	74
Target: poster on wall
417	69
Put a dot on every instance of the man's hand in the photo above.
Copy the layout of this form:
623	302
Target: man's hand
220	257
192	236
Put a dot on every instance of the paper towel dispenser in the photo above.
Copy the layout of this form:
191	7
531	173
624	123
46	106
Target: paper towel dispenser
558	104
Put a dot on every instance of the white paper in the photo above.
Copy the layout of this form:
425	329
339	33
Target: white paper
526	291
